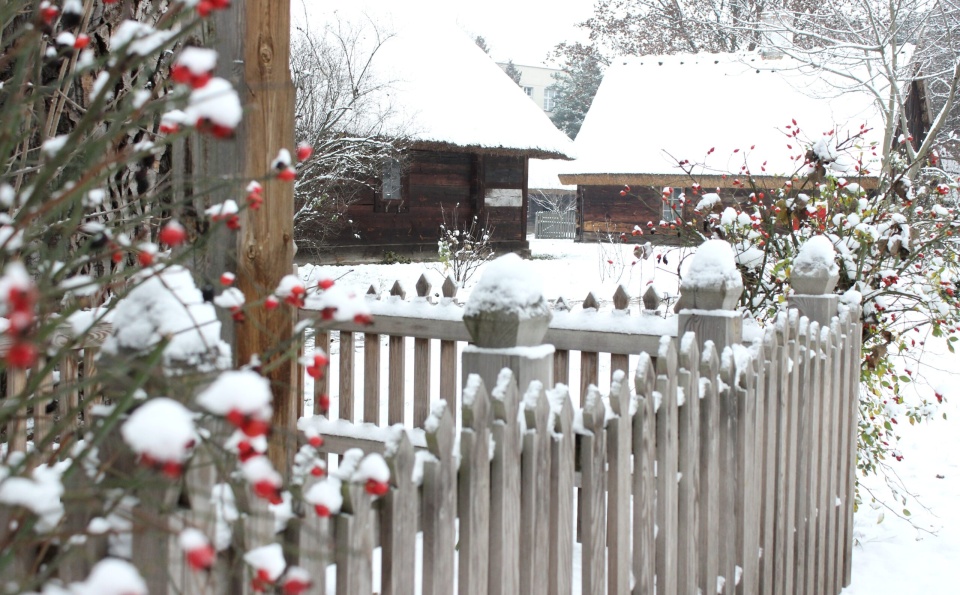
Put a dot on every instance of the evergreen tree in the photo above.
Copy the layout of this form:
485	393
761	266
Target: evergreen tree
576	86
512	71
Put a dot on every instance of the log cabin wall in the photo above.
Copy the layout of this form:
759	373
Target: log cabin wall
504	192
435	184
602	210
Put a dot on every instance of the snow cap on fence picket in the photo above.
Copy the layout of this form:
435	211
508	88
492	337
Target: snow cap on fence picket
712	282
815	270
507	307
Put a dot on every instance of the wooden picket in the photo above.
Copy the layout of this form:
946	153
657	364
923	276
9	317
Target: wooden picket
714	468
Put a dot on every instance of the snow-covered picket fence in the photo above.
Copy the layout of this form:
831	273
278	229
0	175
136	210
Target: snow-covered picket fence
727	466
598	338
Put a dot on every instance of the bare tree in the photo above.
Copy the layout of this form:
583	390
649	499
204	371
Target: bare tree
341	113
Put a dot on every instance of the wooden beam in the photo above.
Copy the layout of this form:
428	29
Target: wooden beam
265	241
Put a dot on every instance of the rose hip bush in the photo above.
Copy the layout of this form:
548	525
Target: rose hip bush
98	230
893	217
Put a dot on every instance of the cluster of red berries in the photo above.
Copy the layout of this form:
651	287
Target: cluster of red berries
21	305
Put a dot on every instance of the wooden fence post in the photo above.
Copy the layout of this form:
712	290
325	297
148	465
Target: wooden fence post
619	437
398	525
667	466
688	530
474	489
707	308
813	280
562	453
505	488
439	502
710	476
536	502
593	486
768	442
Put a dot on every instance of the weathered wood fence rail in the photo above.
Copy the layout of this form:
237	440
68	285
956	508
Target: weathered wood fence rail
729	467
615	334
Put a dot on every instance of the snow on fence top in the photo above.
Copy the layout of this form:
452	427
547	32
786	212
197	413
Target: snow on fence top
724	110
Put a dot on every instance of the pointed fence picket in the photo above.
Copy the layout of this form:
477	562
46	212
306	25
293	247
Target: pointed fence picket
714	467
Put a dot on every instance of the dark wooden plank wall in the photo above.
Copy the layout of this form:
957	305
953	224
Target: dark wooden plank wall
434	184
506	173
603	210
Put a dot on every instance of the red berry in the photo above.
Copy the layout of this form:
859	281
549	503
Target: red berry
255	427
49	14
288	174
21	355
363	319
180	74
173	234
271	303
376	488
145	258
201	558
304	151
269	492
322	510
82	41
227	279
317	472
326	283
324	401
316	441
172	469
236	418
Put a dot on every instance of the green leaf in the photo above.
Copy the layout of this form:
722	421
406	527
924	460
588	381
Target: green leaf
906	512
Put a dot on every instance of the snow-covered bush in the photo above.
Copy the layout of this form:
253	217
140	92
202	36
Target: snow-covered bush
463	246
99	226
890	235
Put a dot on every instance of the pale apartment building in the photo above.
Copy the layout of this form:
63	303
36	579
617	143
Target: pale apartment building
537	82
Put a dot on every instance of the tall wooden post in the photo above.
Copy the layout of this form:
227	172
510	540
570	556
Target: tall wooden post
265	242
253	42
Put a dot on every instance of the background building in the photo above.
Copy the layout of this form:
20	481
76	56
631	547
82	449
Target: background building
538	83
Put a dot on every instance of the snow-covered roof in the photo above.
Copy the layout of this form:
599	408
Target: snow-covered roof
723	111
440	89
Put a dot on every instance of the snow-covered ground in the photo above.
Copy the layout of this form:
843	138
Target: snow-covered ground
894	555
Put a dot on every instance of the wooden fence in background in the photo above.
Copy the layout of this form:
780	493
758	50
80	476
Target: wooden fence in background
725	468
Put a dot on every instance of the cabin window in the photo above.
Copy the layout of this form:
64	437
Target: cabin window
528	91
390	180
549	99
672	204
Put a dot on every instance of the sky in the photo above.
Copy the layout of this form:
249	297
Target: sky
524	31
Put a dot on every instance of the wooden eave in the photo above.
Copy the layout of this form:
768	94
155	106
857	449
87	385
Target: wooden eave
478	150
683	180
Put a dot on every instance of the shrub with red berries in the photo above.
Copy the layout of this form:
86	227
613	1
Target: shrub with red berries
894	234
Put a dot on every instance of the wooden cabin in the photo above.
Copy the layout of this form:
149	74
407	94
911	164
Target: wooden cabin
659	125
468	133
